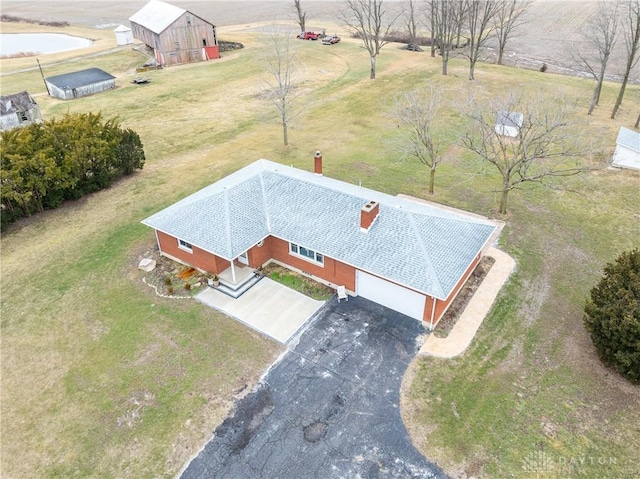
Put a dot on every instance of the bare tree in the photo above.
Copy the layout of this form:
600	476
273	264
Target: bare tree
369	21
279	61
480	16
632	43
412	25
416	112
600	34
302	16
508	21
547	145
431	20
448	16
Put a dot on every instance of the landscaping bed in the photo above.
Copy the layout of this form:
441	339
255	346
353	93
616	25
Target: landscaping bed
298	282
445	325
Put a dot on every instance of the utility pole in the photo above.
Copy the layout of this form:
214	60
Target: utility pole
45	81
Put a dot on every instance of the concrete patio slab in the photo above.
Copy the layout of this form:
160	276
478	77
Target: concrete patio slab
268	307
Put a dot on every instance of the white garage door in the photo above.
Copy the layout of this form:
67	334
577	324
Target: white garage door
390	295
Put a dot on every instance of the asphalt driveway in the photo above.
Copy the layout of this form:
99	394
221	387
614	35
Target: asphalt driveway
329	408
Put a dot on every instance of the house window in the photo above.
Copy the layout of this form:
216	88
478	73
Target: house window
188	21
22	115
204	42
177	46
183	245
306	254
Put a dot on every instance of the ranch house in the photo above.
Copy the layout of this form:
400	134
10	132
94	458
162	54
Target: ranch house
406	255
175	34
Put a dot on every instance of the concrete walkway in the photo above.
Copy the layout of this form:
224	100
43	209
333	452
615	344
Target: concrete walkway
268	307
471	318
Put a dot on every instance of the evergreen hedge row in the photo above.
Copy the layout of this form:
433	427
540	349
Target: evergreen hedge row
44	164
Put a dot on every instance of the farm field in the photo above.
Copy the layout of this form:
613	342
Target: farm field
101	378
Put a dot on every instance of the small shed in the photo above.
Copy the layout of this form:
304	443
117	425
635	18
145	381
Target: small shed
627	154
19	109
79	84
509	123
124	35
176	35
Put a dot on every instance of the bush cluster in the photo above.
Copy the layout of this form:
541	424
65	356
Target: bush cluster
44	164
612	315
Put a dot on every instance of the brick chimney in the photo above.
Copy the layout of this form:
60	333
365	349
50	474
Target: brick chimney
317	163
368	215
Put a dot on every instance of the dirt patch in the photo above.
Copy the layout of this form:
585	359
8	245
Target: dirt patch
445	325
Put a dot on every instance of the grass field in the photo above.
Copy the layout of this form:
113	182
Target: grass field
101	378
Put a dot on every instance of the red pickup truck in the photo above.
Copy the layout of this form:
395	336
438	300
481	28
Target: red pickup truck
308	36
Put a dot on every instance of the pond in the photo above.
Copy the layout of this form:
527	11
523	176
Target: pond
24	44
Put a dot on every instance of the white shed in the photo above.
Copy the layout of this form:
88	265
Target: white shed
124	35
509	123
627	154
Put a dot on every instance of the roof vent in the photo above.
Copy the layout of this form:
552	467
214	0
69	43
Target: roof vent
368	215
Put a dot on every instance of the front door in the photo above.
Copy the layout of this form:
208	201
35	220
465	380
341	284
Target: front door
244	258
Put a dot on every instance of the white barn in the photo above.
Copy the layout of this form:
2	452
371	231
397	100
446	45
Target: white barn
627	154
78	84
124	35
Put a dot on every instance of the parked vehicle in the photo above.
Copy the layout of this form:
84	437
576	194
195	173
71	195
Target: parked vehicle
330	40
308	36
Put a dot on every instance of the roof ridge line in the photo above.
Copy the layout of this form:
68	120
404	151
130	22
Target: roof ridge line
227	216
264	202
438	291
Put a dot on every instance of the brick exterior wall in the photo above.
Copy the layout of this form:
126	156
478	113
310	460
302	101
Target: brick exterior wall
333	271
199	258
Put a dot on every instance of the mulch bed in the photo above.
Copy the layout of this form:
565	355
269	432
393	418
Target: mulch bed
178	276
445	325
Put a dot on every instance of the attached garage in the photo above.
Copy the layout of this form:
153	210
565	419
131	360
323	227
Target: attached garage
391	295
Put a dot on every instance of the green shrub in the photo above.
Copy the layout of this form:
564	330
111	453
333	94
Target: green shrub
612	315
44	164
167	280
187	286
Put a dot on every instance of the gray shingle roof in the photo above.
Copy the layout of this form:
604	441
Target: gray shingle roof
629	138
17	102
68	81
411	243
157	15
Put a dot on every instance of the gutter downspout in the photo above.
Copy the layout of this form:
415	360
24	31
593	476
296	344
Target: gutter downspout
433	313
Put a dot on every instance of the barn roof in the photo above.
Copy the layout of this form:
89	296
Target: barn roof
68	81
510	119
157	16
17	102
413	244
629	138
